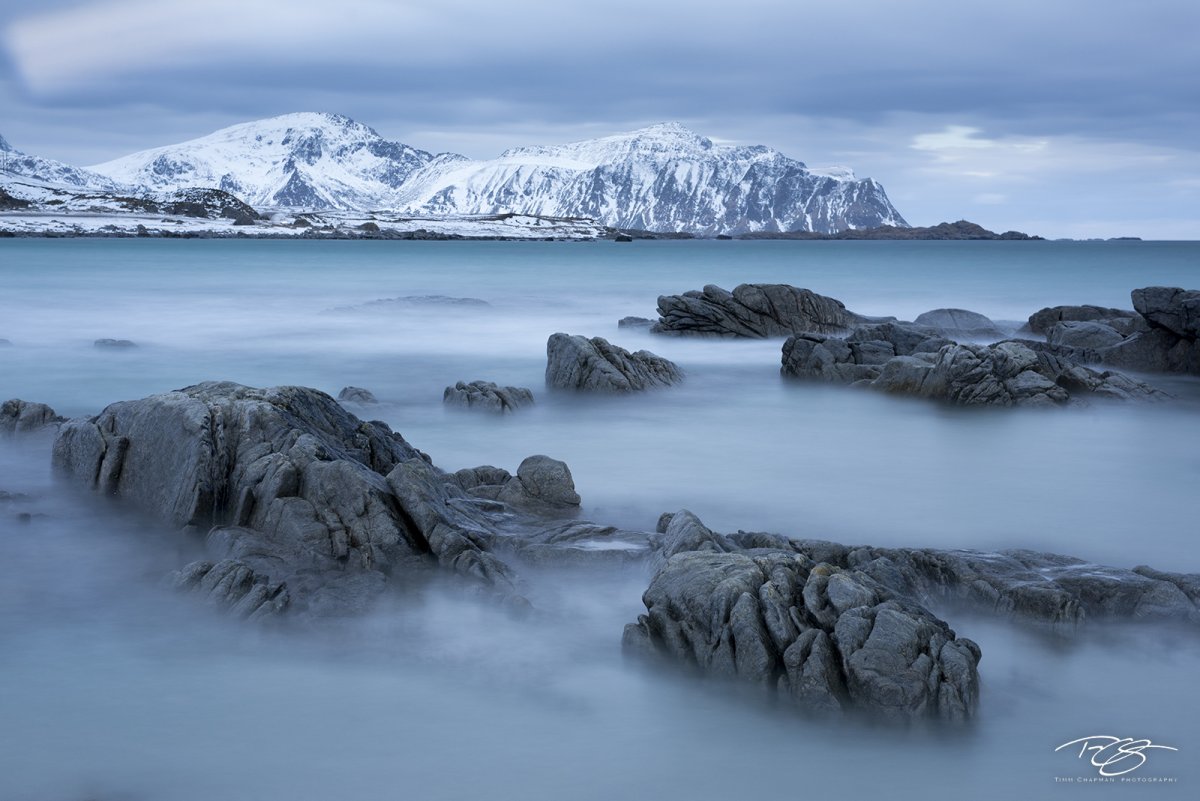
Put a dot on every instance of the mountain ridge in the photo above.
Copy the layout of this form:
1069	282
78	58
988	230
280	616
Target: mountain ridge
663	177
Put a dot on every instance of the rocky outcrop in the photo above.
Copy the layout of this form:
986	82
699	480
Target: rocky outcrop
827	638
1160	334
752	310
959	323
356	395
487	396
541	484
19	417
838	628
307	488
903	360
234	587
595	365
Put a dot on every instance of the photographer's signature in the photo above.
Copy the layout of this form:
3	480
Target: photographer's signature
1114	756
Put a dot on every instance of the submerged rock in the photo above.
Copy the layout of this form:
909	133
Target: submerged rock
114	343
634	322
752	310
487	396
356	395
19	417
595	365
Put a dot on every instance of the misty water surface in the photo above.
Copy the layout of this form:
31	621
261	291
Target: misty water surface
113	687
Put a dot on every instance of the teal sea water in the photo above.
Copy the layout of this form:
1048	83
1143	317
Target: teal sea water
153	698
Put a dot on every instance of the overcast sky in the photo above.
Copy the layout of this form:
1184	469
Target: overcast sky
1058	117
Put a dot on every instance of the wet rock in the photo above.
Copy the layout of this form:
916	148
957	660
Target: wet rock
752	310
356	395
959	323
323	493
595	365
20	417
487	396
114	343
1040	322
543	484
1004	374
829	639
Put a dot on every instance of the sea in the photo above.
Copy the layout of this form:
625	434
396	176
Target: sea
114	687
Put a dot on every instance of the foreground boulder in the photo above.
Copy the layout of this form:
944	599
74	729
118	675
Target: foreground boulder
595	365
487	396
828	639
301	487
20	417
1160	334
902	360
752	310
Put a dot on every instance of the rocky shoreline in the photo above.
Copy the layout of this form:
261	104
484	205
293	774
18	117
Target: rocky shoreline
306	512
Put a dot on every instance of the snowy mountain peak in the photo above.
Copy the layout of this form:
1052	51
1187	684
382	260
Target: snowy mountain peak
307	159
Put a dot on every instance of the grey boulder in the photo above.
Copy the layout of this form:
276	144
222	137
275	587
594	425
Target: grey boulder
595	365
487	396
356	395
19	417
960	323
752	310
542	484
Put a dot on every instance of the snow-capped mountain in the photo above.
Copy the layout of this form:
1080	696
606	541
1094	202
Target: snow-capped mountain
305	160
661	178
15	163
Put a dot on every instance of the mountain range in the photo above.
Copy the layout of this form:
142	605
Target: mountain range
661	178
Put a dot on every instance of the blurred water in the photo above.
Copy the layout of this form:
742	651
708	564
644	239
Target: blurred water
111	687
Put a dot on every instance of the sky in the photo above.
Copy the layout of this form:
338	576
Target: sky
1064	118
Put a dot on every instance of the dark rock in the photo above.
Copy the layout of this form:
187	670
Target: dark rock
1004	374
369	227
830	639
959	323
486	396
321	491
114	343
1040	322
1092	335
19	417
595	365
234	587
543	484
356	395
752	310
634	322
1174	309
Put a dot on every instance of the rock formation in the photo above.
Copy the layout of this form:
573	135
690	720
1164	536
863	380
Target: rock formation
356	395
752	310
487	396
595	365
19	417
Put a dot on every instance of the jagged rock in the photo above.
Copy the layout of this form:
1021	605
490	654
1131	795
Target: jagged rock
831	639
1177	310
235	587
595	365
114	343
18	416
320	491
356	395
1004	374
960	323
487	396
1160	336
752	310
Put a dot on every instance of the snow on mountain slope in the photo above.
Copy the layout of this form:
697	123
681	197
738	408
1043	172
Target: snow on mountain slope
17	164
661	178
304	160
